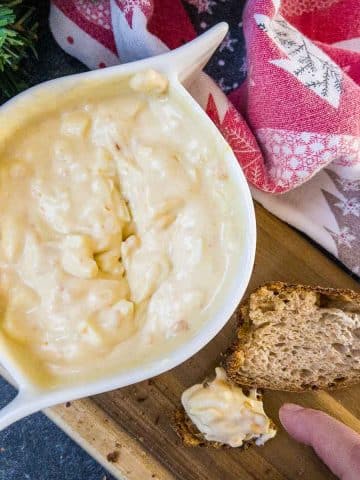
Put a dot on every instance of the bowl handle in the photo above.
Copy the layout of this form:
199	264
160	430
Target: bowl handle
193	56
25	402
22	405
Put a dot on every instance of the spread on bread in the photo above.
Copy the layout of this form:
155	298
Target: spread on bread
118	231
224	414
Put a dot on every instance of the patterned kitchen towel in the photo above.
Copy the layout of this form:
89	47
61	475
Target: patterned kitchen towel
294	123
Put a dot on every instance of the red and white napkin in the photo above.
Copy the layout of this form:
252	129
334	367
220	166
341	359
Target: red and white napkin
294	124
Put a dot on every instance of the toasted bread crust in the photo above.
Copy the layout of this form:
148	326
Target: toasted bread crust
189	434
236	355
345	294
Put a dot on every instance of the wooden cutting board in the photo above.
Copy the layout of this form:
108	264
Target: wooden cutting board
129	430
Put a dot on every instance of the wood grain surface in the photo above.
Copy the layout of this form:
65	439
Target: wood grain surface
129	430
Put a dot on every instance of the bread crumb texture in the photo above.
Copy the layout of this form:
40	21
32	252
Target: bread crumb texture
296	338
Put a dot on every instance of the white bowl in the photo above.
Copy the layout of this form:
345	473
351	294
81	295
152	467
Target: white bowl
179	66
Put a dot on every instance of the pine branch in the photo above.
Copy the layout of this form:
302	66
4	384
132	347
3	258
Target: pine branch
17	41
325	89
314	84
298	49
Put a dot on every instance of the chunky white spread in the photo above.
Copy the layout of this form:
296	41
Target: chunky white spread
223	413
117	228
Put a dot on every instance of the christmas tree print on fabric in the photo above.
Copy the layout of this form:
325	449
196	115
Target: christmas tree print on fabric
346	210
308	63
242	143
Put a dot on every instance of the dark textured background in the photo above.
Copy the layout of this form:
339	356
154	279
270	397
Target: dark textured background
34	448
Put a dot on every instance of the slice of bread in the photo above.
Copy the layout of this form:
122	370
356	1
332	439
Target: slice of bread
297	338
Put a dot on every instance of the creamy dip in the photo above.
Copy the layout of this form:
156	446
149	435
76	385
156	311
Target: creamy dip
118	228
223	413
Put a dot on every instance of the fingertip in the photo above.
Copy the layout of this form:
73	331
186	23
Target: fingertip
296	421
291	407
333	442
287	410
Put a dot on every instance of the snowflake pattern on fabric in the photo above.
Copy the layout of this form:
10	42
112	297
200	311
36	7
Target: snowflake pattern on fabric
203	6
291	156
128	7
346	210
228	43
349	206
99	14
348	185
305	61
344	237
243	68
349	150
226	67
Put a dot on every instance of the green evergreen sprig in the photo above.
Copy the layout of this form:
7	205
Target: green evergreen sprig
18	34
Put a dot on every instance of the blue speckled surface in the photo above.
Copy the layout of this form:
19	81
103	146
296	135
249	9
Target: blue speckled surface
36	449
